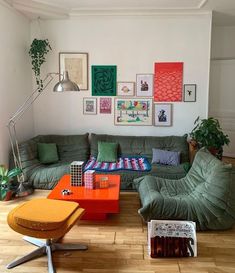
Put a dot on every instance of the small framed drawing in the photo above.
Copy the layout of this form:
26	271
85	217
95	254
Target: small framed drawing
89	106
105	105
144	85
77	66
162	114
133	111
190	92
125	89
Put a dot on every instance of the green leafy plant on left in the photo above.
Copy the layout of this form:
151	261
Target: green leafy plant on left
37	52
5	180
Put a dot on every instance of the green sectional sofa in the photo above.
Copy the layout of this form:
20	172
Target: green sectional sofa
205	195
46	176
80	147
142	146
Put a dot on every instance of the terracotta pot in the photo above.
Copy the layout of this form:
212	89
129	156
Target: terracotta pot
8	196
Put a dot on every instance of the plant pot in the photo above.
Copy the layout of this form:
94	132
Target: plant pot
8	196
216	152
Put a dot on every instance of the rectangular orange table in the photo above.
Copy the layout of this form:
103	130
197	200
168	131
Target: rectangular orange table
96	202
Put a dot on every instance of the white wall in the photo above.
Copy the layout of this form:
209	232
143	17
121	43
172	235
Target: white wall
223	42
133	43
15	75
222	82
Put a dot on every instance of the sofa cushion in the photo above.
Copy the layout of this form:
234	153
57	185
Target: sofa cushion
166	157
107	152
47	153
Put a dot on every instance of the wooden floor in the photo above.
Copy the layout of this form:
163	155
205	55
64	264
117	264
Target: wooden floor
117	245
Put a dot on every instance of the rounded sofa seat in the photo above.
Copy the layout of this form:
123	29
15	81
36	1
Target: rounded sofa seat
206	195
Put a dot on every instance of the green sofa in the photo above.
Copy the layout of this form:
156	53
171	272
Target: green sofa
142	146
80	147
205	195
46	176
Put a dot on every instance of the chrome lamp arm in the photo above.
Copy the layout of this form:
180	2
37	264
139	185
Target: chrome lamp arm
64	85
12	127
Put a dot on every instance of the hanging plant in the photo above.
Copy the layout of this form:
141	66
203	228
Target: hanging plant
37	52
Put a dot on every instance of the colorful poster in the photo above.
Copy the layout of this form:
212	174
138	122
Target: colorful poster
133	112
168	80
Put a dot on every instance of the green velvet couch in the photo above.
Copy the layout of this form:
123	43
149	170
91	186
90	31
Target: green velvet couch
80	147
142	146
206	195
46	176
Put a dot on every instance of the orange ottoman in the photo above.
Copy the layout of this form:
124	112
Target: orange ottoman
47	219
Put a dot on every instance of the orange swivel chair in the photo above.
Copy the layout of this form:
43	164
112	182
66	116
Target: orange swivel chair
46	219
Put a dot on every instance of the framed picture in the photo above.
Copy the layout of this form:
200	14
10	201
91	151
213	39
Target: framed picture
162	114
89	106
77	66
144	85
168	81
104	80
126	89
105	105
133	111
190	92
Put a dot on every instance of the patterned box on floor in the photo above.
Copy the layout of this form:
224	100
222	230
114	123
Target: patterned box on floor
89	179
168	238
76	168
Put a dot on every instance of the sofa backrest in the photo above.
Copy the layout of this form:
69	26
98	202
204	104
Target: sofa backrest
142	145
70	147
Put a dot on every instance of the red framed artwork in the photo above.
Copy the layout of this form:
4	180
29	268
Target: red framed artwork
168	81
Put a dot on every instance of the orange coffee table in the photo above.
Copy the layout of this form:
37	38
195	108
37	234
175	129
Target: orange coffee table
97	202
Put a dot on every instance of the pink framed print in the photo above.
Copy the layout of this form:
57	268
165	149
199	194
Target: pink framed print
105	105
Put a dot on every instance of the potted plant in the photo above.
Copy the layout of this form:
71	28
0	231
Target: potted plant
37	52
5	182
208	133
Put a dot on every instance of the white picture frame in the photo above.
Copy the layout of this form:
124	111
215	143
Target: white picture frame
162	114
190	92
89	106
144	85
126	89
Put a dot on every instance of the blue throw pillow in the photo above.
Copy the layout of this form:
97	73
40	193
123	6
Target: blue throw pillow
166	157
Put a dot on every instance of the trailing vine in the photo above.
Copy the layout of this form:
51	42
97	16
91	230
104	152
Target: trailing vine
37	52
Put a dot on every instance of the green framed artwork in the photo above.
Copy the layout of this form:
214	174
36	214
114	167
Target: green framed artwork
104	79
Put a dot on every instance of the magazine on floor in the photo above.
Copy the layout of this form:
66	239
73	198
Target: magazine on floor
168	238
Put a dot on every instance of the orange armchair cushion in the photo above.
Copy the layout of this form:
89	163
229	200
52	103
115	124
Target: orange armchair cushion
44	214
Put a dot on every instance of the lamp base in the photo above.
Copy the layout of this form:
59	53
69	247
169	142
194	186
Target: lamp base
24	190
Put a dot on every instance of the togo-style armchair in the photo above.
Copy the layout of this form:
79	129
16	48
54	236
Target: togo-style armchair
205	195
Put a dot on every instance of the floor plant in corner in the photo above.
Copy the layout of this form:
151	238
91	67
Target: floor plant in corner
6	177
208	133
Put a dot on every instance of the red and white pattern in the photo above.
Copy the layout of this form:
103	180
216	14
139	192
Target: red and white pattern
168	80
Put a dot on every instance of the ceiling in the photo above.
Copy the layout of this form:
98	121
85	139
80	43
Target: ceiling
223	10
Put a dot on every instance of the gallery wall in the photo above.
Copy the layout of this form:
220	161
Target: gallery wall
134	44
15	71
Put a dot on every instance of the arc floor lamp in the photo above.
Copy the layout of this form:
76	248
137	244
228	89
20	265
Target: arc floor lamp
64	85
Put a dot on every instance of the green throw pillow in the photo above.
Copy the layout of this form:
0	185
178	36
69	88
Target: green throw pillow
47	153
107	152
